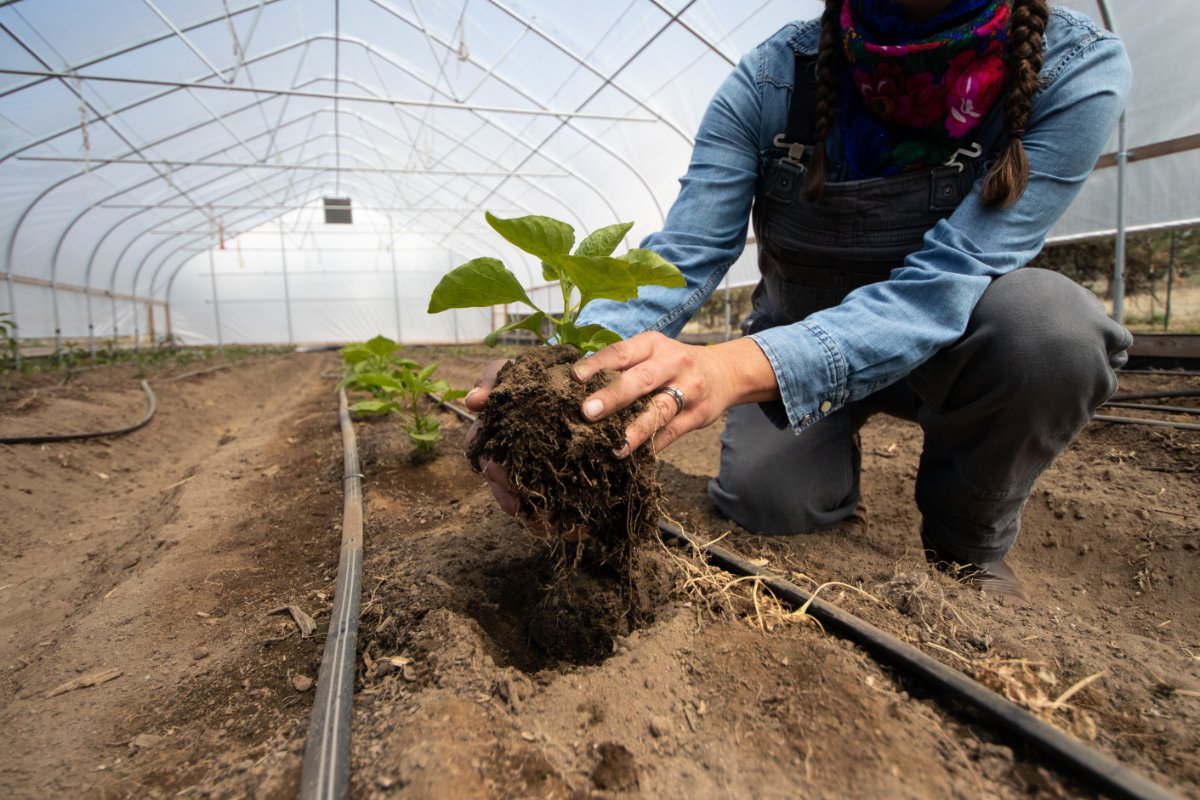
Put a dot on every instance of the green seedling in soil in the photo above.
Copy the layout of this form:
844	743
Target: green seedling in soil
589	273
9	345
397	385
560	466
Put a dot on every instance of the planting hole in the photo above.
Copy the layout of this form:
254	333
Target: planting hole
538	618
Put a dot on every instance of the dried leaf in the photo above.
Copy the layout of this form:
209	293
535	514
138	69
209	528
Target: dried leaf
84	681
303	621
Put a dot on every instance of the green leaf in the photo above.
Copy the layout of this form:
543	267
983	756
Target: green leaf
435	387
603	241
595	337
381	346
549	271
599	277
430	437
424	374
375	380
374	407
531	323
355	354
648	268
541	236
479	282
454	394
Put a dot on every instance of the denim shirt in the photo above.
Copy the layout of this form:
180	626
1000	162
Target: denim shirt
883	331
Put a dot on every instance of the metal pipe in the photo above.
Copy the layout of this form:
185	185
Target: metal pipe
216	305
287	297
348	98
1118	279
179	164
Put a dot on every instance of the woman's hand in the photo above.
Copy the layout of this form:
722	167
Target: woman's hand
711	379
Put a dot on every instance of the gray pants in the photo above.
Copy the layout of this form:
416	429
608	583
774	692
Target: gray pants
997	407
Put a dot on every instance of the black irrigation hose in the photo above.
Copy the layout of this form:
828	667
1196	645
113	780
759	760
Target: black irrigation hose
461	413
1124	401
1156	395
152	408
1102	771
1149	407
1156	423
326	772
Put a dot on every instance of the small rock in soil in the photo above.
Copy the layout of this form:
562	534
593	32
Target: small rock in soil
200	653
659	727
302	683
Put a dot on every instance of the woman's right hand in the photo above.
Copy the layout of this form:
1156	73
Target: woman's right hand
493	471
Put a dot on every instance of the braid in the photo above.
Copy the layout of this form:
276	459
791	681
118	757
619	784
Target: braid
1008	177
829	59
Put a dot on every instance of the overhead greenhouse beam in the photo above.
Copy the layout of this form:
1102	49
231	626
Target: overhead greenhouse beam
170	164
25	280
353	98
293	207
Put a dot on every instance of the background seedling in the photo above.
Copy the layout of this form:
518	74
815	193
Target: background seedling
397	384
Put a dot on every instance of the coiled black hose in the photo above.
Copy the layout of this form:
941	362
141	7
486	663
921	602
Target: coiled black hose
151	410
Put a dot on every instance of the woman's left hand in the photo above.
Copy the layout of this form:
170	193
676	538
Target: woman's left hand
711	378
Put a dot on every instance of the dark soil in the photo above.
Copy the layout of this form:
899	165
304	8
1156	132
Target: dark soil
561	466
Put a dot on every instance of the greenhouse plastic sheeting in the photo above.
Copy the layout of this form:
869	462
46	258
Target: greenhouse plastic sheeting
163	163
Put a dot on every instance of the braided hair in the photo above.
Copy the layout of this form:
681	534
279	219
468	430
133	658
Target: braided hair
1008	177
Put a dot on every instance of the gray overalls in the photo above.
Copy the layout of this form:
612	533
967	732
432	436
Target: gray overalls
997	406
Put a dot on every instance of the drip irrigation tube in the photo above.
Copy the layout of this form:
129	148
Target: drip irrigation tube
1156	423
1150	407
1099	770
151	409
326	772
1156	395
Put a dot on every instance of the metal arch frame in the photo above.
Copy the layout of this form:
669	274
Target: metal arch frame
593	140
190	257
370	146
387	59
266	219
126	49
607	82
307	42
11	244
580	60
254	215
1119	255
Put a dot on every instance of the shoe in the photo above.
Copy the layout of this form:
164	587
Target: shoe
993	577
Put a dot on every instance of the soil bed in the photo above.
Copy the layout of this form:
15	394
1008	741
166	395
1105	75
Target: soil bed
473	684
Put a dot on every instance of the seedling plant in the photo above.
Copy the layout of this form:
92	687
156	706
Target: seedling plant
9	344
560	467
397	385
589	273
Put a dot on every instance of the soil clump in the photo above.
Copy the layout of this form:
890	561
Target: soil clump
561	466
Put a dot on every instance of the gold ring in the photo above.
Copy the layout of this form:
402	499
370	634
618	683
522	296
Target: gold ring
677	395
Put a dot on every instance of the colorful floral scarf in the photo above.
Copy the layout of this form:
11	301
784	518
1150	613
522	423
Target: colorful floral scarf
916	92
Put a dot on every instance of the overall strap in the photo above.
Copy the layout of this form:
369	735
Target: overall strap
785	176
801	121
